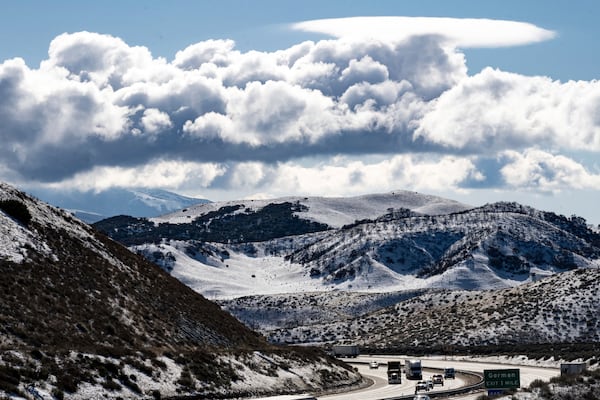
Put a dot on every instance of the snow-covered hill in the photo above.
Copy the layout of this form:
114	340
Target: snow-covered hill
494	246
82	317
563	308
334	212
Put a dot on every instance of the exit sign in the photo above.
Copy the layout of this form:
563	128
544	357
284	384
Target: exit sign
502	378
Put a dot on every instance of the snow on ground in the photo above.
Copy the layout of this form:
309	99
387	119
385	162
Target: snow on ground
15	239
333	211
241	275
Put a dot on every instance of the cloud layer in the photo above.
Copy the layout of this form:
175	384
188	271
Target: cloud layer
456	32
342	116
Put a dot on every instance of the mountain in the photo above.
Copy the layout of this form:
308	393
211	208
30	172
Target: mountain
333	212
381	243
91	206
83	317
562	308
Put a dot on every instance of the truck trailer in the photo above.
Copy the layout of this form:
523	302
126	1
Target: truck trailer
350	350
413	369
394	372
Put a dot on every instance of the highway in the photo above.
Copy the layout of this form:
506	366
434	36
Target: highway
381	390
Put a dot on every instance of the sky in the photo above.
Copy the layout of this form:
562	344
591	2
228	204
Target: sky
474	101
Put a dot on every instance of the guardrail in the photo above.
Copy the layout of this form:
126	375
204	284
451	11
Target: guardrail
451	392
441	393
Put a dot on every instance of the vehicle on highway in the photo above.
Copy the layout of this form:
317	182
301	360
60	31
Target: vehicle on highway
438	379
413	369
345	350
421	385
394	372
449	373
429	383
373	365
421	397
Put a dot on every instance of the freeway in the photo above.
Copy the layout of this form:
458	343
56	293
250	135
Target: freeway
381	390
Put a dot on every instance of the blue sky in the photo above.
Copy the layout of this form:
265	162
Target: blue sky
227	99
168	26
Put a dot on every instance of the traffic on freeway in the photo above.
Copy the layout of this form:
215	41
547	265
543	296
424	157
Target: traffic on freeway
381	389
375	368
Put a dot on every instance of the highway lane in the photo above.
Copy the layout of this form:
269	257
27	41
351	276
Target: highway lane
381	390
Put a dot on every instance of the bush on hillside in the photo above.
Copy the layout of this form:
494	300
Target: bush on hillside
17	210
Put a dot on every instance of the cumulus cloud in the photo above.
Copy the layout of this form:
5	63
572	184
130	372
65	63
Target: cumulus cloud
163	174
101	111
501	110
540	170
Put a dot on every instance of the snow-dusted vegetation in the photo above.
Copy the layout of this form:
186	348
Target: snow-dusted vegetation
83	317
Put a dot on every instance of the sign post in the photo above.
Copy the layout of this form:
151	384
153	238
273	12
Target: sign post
502	378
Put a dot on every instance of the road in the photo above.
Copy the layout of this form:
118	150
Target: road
381	390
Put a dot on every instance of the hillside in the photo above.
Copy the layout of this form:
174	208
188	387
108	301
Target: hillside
334	212
563	308
82	316
259	220
494	246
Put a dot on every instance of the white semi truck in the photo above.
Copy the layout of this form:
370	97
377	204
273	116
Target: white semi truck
413	369
346	350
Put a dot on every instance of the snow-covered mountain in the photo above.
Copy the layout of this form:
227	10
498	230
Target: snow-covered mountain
91	206
334	212
381	243
82	317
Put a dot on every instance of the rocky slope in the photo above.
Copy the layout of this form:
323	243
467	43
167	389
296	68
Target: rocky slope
82	316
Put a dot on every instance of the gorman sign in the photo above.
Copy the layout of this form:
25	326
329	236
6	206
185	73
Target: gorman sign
502	378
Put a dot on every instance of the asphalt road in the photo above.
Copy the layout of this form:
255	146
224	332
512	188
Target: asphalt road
381	390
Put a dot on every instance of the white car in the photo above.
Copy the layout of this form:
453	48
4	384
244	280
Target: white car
421	397
373	365
429	383
421	385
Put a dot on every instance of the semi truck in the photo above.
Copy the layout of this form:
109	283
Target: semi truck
413	369
350	350
394	372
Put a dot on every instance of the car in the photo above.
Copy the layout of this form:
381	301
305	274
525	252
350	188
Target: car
429	383
421	385
373	365
438	380
421	397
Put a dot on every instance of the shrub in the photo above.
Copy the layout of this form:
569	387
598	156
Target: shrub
17	210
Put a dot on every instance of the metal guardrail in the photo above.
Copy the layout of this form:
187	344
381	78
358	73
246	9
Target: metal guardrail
448	393
441	393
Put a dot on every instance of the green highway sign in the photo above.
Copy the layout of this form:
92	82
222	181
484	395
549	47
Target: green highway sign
502	378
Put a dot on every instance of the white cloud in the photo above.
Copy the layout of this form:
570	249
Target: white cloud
345	176
100	113
163	174
459	32
539	170
500	110
154	121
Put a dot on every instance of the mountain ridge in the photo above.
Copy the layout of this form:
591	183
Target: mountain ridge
282	248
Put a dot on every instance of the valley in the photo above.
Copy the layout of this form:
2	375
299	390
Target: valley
396	273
